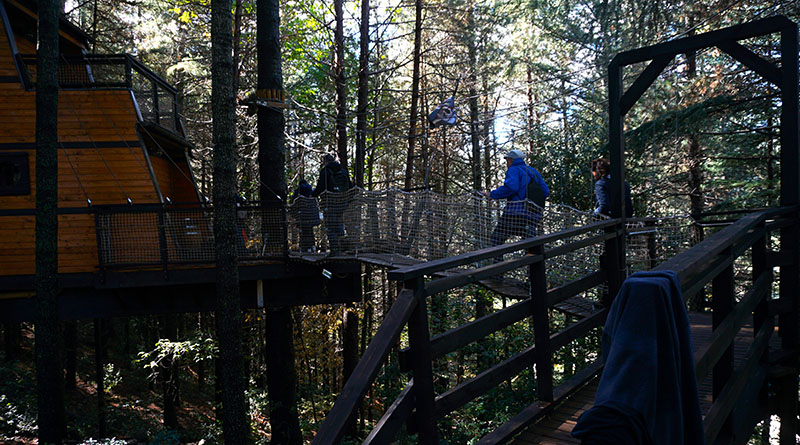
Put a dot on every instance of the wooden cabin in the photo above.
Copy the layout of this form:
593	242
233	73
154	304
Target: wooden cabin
121	142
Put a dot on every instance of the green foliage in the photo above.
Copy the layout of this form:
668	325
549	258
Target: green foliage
166	352
17	400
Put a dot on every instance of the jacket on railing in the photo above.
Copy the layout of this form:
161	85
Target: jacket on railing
648	390
515	186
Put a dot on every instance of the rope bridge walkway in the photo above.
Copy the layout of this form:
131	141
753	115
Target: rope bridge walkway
393	228
388	228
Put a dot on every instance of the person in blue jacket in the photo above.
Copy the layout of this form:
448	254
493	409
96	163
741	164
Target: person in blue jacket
601	172
518	214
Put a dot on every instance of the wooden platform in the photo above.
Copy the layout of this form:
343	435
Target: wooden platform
557	426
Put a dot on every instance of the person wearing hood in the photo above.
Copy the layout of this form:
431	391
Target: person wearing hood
305	211
519	217
332	184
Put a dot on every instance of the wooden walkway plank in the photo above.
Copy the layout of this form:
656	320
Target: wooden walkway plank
555	428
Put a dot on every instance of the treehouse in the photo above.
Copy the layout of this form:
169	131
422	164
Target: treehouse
130	212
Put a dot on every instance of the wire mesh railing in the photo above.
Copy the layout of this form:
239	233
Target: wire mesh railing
425	226
155	98
147	235
419	226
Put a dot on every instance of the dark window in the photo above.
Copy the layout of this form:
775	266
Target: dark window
14	177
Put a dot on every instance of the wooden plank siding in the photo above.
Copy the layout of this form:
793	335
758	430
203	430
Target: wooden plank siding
7	67
101	160
174	179
77	244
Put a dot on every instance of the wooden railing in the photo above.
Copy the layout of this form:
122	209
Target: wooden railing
711	261
156	99
418	400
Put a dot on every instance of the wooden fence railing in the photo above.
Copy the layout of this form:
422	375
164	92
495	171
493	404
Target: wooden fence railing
418	400
711	261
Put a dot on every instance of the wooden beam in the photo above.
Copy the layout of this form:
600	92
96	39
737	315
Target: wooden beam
540	408
475	387
578	330
715	418
393	419
643	82
685	264
465	334
692	43
431	267
707	356
752	60
367	369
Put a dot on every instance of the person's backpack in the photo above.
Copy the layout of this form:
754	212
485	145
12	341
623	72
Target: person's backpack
534	192
340	181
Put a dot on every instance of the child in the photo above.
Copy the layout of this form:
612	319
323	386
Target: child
305	211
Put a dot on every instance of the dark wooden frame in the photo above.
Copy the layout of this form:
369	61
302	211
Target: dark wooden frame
785	78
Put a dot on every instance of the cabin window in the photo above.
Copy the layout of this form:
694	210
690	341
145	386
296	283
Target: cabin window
14	178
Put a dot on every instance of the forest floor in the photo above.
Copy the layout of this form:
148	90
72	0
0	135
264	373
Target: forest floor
134	408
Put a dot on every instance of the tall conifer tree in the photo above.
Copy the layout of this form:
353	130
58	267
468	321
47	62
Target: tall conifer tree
229	317
49	374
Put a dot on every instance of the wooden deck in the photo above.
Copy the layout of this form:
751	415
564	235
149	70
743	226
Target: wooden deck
556	427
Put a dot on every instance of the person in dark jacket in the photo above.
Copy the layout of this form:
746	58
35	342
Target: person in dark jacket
601	172
333	179
305	211
518	215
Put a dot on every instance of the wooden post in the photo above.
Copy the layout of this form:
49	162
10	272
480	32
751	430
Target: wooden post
723	299
790	236
615	247
541	327
419	339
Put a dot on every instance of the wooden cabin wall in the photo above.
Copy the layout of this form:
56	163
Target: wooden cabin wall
99	146
100	158
7	67
173	178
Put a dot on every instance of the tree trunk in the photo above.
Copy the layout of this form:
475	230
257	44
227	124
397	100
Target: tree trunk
234	414
70	354
282	378
695	182
49	372
12	333
363	96
412	121
237	45
168	375
350	355
341	86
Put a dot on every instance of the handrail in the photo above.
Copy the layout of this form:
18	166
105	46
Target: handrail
431	267
711	259
409	309
366	370
685	263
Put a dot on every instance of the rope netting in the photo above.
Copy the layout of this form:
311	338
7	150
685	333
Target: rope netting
425	226
389	226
